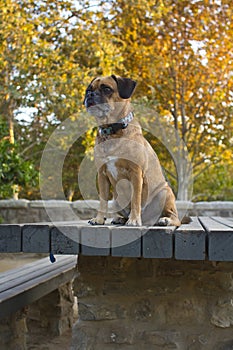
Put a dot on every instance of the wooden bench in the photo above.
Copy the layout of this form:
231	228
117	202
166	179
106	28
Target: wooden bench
22	286
205	238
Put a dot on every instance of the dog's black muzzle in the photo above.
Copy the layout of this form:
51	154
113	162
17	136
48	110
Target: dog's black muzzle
92	98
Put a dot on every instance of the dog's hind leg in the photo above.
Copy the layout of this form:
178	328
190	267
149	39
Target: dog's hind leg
161	210
169	215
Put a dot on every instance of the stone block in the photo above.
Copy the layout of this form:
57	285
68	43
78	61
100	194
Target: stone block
84	336
126	241
49	204
65	239
13	331
36	239
116	333
198	342
222	315
12	203
85	209
142	310
190	246
190	242
17	215
227	345
214	205
10	239
95	240
158	242
82	205
161	339
221	246
101	311
61	214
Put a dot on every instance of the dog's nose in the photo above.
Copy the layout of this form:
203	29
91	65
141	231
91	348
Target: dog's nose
90	93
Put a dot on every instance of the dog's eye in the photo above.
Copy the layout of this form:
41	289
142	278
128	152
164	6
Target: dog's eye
106	89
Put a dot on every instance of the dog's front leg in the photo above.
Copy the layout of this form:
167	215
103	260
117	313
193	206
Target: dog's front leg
136	198
104	188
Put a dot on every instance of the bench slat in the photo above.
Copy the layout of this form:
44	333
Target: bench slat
34	282
65	239
225	221
95	240
10	239
157	242
213	226
22	270
36	269
36	238
126	241
220	240
190	241
20	296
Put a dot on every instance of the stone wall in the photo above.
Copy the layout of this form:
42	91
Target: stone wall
144	304
22	211
50	316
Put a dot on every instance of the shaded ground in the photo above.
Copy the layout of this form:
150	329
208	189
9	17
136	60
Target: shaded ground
43	342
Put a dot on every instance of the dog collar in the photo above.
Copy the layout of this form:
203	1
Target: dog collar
114	127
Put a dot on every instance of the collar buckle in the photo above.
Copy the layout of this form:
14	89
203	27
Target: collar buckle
114	127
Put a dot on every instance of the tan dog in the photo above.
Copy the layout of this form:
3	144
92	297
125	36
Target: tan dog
125	160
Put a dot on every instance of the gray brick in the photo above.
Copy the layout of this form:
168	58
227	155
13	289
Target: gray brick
10	239
220	246
158	242
190	241
65	239
95	240
220	240
36	239
126	241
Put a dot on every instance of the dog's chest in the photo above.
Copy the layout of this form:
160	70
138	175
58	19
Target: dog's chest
112	168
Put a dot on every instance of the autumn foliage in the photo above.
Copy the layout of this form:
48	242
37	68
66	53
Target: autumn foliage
179	51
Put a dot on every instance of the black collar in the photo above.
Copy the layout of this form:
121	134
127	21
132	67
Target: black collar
111	129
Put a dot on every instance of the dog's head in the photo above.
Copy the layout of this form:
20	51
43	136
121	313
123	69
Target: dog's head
107	98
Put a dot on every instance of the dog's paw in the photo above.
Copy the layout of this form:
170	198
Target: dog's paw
97	221
165	221
119	221
134	222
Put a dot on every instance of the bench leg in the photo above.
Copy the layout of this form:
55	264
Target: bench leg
53	313
13	331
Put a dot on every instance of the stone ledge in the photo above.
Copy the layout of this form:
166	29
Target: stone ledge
93	204
49	204
85	204
213	205
11	203
23	210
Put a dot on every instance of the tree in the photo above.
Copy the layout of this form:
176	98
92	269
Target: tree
14	171
181	52
34	72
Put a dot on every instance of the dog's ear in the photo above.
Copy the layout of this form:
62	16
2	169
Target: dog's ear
126	86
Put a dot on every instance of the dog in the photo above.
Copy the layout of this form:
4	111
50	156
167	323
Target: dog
125	161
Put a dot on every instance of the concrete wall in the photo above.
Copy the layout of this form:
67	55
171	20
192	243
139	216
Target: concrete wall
144	304
22	211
